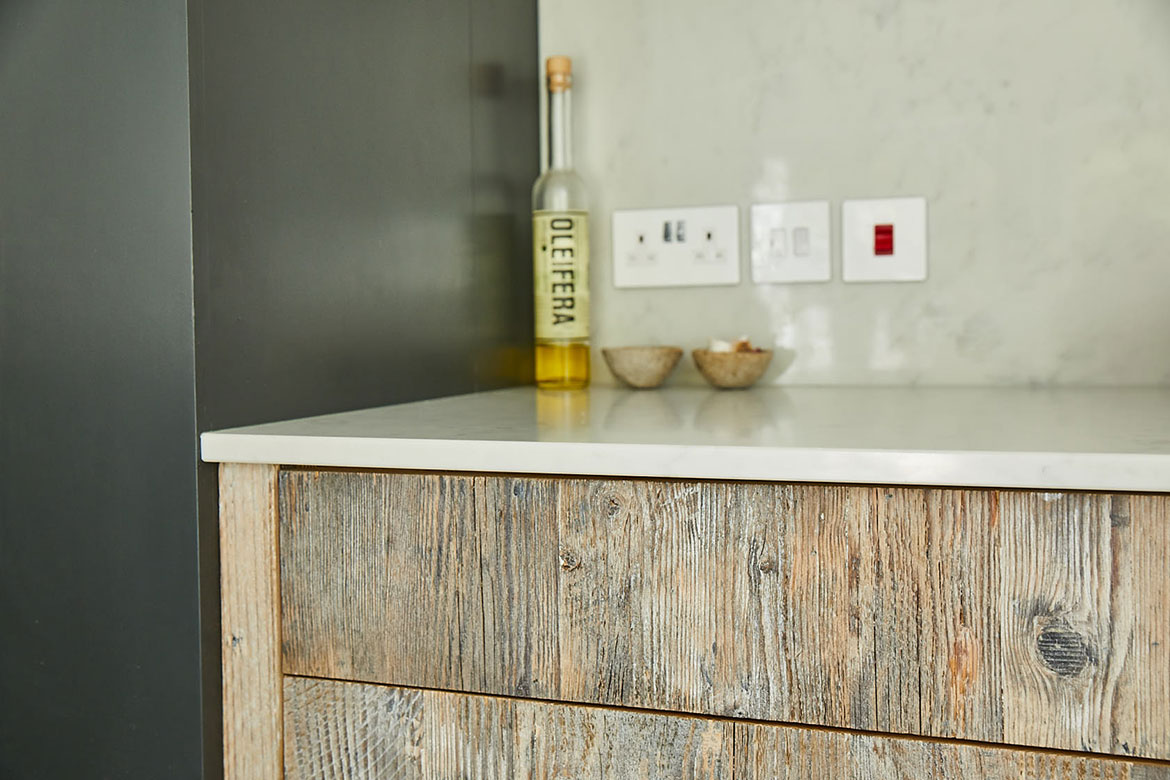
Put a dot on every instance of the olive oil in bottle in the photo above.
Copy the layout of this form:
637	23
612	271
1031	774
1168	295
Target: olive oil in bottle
560	234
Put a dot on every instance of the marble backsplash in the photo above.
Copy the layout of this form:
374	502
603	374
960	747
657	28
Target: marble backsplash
1039	133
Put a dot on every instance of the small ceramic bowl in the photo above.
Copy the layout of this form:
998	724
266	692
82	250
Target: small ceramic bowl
732	369
642	367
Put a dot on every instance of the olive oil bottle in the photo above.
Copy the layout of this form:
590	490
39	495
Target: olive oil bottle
560	236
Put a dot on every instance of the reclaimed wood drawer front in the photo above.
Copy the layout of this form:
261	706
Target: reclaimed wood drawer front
998	616
344	730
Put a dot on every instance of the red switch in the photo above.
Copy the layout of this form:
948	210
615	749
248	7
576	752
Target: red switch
883	239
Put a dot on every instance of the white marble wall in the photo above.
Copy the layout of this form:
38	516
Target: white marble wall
1039	132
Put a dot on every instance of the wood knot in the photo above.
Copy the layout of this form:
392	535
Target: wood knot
613	507
1063	650
767	566
569	560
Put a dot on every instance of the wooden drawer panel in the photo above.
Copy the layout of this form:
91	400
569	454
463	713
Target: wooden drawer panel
344	730
998	616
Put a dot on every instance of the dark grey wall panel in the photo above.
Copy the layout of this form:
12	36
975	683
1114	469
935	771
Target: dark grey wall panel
505	162
355	229
99	653
361	174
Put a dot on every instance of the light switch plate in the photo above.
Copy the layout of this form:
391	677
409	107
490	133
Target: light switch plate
791	242
676	247
859	261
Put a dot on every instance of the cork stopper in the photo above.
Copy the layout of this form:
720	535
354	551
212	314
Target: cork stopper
560	73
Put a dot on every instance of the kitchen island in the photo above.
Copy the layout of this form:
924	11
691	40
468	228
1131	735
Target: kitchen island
800	582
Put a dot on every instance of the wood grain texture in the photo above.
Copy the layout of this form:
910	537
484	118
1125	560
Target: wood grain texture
250	622
352	730
470	598
1084	578
997	616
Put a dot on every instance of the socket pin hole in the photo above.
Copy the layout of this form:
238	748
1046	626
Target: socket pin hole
709	236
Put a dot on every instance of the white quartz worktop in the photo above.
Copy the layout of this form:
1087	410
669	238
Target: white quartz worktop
1091	439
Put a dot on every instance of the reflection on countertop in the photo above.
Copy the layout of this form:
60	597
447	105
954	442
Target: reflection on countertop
723	416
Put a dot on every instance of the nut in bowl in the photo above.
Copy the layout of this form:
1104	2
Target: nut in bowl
642	367
732	365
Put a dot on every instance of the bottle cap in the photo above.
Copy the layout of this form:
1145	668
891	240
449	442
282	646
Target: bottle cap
560	73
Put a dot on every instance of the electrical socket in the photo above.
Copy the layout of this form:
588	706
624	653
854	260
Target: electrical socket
680	247
791	242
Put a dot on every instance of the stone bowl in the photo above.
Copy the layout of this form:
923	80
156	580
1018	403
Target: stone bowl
641	367
732	369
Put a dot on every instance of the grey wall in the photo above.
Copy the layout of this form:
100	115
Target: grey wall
99	653
347	228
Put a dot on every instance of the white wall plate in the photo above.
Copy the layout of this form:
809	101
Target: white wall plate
676	247
883	240
791	242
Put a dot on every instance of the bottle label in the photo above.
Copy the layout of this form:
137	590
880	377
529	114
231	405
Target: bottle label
560	241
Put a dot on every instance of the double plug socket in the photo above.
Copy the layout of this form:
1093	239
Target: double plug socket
676	247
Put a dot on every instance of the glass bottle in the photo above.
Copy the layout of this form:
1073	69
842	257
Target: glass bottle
560	236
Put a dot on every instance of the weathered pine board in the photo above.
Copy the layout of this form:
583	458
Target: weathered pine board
250	622
1088	580
466	602
999	616
353	730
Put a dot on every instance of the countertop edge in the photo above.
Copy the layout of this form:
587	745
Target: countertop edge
976	469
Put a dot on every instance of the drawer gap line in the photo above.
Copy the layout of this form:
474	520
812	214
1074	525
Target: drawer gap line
1146	761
